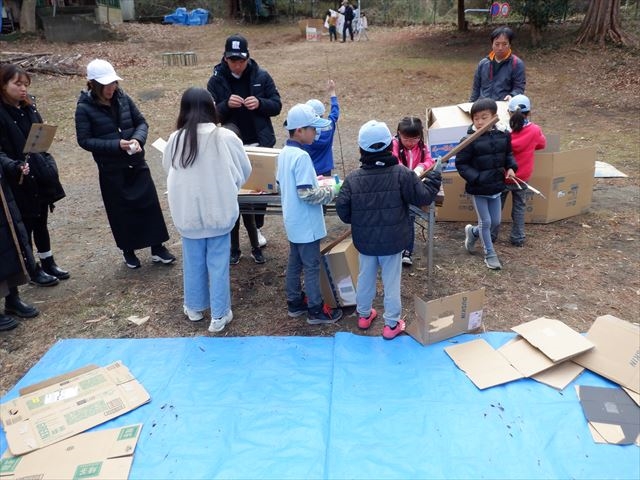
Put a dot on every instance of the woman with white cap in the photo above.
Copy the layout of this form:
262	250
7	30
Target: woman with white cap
110	126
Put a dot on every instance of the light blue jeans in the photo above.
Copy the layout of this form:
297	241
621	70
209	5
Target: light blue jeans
489	212
391	266
205	265
304	258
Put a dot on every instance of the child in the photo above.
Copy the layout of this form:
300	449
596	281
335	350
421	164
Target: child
380	234
330	21
302	199
206	167
409	147
249	220
526	137
321	150
484	164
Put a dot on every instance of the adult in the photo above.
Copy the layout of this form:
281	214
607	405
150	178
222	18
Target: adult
246	96
15	258
500	75
346	10
110	126
33	177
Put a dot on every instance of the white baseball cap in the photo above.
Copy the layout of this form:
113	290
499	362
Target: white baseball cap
302	115
374	136
317	106
102	72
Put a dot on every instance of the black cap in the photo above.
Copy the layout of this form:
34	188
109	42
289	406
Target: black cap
236	46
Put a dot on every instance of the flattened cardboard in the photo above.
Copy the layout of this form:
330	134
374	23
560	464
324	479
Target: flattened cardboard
525	358
264	166
555	339
559	376
40	138
484	366
101	455
613	417
446	317
68	405
616	355
339	274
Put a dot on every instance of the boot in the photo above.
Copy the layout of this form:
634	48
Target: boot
7	323
14	305
49	266
42	279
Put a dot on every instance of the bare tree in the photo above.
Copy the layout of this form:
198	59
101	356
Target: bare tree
602	23
28	16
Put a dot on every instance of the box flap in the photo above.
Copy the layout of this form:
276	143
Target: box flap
616	355
484	366
524	357
611	414
104	454
554	338
560	375
71	406
446	317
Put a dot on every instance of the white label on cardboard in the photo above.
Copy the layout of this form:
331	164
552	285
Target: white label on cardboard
346	290
475	320
60	395
441	324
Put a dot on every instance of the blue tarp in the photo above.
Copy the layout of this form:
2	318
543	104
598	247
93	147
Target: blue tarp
345	407
181	16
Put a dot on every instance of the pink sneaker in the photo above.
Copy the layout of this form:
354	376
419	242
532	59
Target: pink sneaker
390	333
365	322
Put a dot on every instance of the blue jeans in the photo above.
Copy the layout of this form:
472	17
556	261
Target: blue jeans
518	209
489	211
304	258
205	265
391	266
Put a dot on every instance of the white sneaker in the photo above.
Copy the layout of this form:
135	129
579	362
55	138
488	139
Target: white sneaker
262	242
218	324
193	315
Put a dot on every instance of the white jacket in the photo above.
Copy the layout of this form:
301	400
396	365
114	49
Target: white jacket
203	198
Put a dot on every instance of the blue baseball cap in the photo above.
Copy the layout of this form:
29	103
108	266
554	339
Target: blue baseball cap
374	136
519	102
303	115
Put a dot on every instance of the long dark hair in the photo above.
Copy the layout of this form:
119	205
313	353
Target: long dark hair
410	127
196	106
7	72
518	120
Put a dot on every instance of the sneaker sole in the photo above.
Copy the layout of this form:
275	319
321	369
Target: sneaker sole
407	262
322	321
493	267
9	311
196	317
217	329
259	262
132	267
157	259
469	246
397	331
297	314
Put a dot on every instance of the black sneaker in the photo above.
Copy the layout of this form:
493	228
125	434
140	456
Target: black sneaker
130	259
298	308
406	258
324	315
235	257
257	256
161	254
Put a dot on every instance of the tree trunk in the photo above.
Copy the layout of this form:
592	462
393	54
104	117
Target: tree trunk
462	24
28	16
602	23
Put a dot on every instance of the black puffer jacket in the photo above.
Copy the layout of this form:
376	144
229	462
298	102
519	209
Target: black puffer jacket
99	129
261	86
375	200
484	162
42	185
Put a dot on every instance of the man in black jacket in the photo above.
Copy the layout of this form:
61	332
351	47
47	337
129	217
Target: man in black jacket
246	96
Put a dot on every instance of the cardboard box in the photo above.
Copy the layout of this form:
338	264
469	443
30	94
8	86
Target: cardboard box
616	355
445	317
612	416
101	455
339	274
69	404
565	178
264	165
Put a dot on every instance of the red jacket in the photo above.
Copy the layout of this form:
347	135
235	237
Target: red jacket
524	143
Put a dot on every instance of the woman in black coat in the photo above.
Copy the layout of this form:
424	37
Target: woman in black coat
32	177
110	126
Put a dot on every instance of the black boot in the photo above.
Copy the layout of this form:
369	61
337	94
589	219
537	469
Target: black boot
14	305
7	323
42	279
50	267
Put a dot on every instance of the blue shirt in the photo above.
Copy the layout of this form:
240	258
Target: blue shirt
321	151
303	222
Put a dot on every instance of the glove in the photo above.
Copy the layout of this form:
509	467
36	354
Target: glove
438	166
418	170
433	178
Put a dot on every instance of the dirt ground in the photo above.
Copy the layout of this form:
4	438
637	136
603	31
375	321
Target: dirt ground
573	270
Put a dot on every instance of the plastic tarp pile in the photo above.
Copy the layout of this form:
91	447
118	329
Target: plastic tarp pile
345	407
181	16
